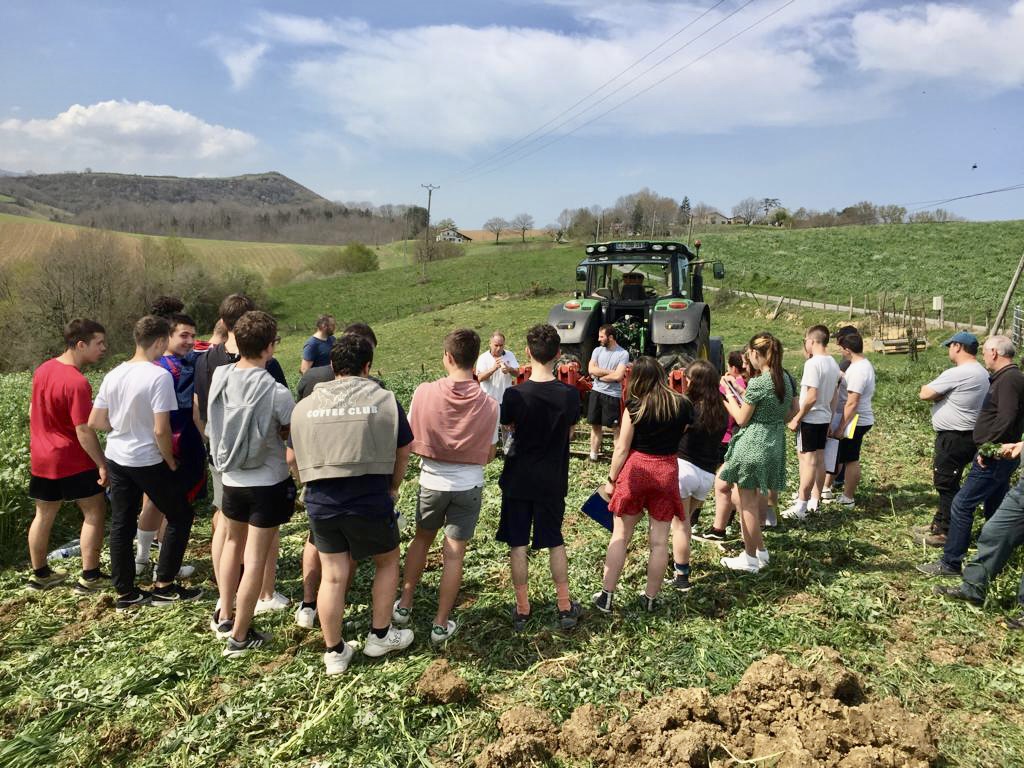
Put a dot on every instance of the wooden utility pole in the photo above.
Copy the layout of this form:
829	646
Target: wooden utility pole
1006	299
426	237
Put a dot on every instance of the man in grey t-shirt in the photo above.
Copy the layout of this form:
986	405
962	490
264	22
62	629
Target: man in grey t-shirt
956	396
608	367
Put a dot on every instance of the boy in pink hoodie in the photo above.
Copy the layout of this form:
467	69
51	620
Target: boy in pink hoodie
455	428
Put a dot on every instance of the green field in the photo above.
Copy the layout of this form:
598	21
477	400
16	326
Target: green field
80	685
967	262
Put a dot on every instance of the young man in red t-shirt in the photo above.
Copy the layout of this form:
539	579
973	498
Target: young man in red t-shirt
67	461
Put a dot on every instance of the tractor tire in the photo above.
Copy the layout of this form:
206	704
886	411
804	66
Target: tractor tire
717	353
672	356
577	353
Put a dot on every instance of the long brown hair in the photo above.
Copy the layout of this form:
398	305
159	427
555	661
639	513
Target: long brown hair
648	387
706	398
770	348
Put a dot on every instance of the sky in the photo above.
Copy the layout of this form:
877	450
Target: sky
511	106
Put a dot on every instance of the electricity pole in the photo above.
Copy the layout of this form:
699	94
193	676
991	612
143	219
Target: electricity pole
426	237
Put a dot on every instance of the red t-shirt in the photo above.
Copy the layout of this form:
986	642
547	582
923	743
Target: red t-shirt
61	400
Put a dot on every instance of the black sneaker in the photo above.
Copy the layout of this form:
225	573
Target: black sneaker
253	640
956	593
602	601
173	594
133	600
519	619
1015	622
648	604
570	618
681	582
91	586
710	535
222	629
938	568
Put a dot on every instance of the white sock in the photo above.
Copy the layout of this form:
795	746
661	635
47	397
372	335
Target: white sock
143	541
812	505
593	456
801	505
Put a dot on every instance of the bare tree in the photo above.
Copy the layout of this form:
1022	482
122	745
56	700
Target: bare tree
700	212
564	222
496	226
748	208
891	214
523	222
767	204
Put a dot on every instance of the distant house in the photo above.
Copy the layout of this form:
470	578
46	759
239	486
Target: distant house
452	235
715	218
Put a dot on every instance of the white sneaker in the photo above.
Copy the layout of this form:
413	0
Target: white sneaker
771	519
305	617
399	615
762	557
845	501
185	571
336	662
742	562
797	512
440	635
276	603
394	640
812	506
826	495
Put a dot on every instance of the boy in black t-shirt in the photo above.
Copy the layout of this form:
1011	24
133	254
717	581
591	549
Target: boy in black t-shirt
535	479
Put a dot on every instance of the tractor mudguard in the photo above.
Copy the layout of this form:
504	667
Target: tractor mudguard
677	321
577	321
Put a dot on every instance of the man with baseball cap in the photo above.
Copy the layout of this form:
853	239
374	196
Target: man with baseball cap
956	397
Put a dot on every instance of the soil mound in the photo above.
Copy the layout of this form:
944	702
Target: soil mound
784	715
440	684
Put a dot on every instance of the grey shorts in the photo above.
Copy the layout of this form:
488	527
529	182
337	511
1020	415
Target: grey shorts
218	489
457	511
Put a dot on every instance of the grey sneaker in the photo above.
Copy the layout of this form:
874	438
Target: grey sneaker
938	568
602	601
648	604
519	619
570	618
252	641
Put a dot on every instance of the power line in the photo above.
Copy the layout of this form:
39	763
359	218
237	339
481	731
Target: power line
929	203
599	88
635	95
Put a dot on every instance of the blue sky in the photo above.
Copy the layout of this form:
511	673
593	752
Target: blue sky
822	104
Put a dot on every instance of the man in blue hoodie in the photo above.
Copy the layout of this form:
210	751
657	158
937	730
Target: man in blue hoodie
249	416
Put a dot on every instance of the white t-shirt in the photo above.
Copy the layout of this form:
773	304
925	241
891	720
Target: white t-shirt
496	385
822	373
132	393
860	378
275	466
964	387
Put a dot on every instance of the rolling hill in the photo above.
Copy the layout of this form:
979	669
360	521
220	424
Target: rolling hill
77	192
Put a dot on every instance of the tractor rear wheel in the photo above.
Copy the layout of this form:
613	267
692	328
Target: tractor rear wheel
672	356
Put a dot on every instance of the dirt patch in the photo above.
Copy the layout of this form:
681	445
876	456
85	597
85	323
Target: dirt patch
528	737
943	652
116	738
779	713
440	684
11	610
90	614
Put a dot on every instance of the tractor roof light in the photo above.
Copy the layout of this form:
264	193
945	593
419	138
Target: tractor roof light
590	249
678	304
657	247
572	305
670	247
602	248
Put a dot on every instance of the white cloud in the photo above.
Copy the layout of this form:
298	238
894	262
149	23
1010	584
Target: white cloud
120	135
241	61
944	41
306	30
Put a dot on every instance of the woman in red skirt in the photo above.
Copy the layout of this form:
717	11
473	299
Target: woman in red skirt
644	475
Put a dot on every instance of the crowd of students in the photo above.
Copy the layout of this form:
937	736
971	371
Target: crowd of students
348	441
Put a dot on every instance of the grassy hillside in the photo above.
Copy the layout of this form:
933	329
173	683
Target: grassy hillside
969	263
75	192
80	685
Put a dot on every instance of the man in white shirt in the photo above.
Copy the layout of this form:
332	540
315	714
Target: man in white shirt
496	370
134	406
608	367
860	388
812	419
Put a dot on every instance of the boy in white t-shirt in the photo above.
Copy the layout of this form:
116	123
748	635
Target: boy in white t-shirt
860	386
134	406
812	419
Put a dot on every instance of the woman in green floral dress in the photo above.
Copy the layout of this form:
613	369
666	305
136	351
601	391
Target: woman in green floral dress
756	460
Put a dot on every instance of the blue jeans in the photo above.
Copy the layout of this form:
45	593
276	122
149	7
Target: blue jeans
1002	534
984	485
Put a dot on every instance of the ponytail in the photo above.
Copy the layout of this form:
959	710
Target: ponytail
770	348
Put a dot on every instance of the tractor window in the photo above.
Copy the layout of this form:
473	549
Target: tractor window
682	269
602	281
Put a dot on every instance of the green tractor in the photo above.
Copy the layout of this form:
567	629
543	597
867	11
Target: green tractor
652	292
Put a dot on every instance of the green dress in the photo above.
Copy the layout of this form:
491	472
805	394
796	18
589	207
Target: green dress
756	457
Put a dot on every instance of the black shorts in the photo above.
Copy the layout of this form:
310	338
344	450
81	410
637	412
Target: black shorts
603	410
519	516
813	437
362	536
849	449
84	485
721	453
261	506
